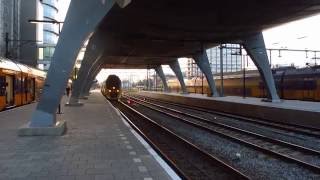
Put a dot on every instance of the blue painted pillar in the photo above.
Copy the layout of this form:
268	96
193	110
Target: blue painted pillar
160	73
202	61
93	53
90	78
177	71
255	47
82	18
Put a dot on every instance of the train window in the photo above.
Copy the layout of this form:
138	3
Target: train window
17	87
310	84
2	80
293	84
2	85
25	84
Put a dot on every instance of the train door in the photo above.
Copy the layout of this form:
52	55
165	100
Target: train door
25	89
2	92
32	87
9	91
309	89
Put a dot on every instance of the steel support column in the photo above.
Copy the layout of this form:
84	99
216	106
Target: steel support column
86	88
160	73
88	76
93	53
255	47
177	71
202	61
80	21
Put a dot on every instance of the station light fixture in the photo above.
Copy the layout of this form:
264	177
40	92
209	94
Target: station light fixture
37	21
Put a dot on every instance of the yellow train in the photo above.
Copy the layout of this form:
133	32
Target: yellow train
19	84
291	83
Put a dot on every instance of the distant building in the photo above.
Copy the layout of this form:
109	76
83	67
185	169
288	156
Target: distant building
49	32
10	28
231	60
28	43
28	32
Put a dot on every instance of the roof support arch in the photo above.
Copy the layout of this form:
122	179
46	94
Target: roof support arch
89	81
202	61
177	71
93	53
160	73
255	47
79	24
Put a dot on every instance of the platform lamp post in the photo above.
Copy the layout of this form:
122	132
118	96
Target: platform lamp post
197	76
36	21
244	58
147	79
202	89
221	70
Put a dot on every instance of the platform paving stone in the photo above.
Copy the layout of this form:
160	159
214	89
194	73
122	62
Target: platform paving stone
97	145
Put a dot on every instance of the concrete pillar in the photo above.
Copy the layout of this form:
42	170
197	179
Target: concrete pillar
82	18
202	61
255	47
160	73
86	89
93	53
92	69
177	71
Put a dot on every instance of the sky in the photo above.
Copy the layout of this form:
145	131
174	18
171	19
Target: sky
302	34
295	35
63	6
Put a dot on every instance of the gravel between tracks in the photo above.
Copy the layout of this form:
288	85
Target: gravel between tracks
303	140
251	162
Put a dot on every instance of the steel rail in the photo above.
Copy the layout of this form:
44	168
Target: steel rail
255	146
302	148
230	169
298	129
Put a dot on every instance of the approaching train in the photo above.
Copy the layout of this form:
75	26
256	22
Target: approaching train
291	83
111	88
19	84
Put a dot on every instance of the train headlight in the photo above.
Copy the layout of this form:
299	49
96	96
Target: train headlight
113	87
109	90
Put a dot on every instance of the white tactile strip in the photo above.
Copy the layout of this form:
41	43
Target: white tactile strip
155	155
137	160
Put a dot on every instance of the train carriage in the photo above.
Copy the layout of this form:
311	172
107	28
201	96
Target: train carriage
111	88
19	84
291	83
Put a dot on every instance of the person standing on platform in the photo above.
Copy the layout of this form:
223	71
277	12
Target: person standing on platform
68	89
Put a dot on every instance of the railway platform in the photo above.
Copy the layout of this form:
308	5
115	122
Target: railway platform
98	145
302	113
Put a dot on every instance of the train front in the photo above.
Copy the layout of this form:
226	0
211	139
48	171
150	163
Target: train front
113	87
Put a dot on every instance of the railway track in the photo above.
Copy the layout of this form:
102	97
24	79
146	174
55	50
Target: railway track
187	159
294	128
305	157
